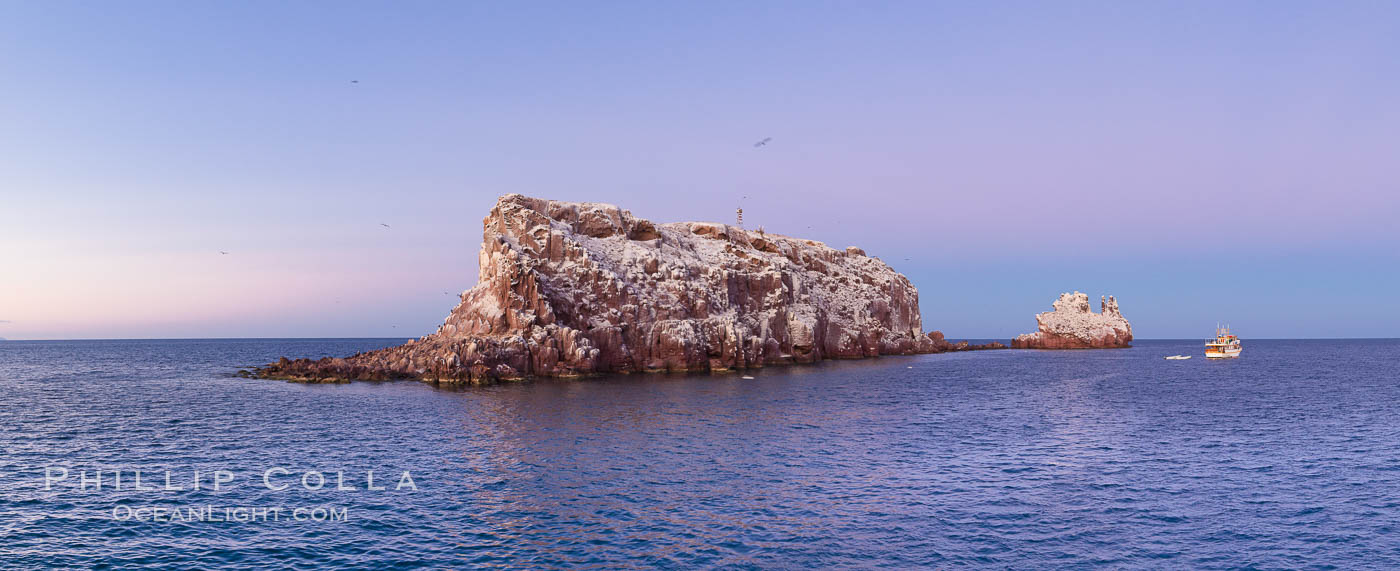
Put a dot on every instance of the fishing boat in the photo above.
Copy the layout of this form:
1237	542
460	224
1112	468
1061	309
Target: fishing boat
1225	345
1177	357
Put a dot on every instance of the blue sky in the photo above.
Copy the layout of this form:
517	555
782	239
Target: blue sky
1202	161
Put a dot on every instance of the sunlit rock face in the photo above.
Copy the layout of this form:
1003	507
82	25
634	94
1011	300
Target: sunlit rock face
570	288
1073	325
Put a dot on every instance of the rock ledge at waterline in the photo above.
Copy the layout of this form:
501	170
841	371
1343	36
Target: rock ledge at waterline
569	289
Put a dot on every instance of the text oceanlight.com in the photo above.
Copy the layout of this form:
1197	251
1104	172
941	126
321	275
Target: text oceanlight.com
218	514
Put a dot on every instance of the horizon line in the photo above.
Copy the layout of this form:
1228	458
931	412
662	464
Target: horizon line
3	340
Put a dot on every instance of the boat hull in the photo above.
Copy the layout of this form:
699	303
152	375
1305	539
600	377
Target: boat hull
1225	354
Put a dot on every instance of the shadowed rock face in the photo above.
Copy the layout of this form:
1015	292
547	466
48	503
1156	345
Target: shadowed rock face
1072	325
578	288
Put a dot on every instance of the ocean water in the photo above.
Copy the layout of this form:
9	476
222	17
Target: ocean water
1286	458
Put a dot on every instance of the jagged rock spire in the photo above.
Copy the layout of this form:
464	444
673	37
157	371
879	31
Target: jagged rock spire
1072	325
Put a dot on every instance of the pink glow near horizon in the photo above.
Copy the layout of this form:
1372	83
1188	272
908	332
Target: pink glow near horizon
997	156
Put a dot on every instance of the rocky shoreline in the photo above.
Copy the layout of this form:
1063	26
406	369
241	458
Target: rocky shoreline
573	289
334	370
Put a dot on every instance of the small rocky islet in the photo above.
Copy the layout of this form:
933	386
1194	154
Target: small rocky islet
571	289
1073	325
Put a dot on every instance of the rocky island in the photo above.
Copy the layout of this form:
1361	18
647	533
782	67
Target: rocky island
1072	325
568	289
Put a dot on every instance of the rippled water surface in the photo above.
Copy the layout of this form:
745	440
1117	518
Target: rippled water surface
1287	457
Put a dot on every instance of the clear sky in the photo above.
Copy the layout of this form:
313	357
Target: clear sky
1211	161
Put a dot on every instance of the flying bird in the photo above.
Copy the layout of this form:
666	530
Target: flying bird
383	224
763	142
354	81
223	252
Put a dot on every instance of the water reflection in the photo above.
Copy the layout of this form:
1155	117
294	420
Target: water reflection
1008	458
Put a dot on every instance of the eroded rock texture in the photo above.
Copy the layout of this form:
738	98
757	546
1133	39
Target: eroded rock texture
577	288
1073	325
